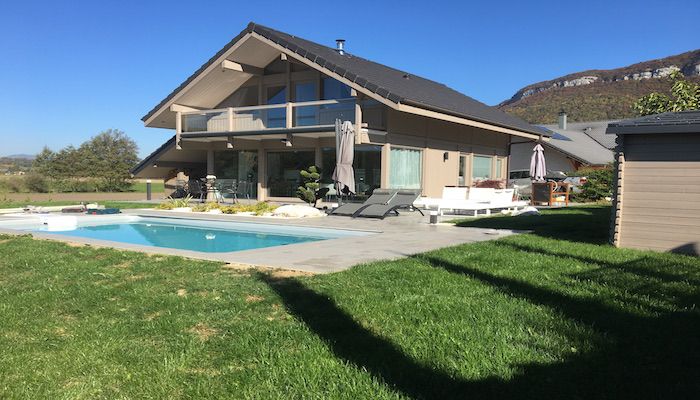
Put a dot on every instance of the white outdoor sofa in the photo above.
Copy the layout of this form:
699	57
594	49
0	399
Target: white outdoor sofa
473	200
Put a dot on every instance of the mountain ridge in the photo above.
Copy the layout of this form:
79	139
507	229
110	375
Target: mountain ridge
599	94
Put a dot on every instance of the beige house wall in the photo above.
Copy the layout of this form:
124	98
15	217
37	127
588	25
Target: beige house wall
433	137
658	199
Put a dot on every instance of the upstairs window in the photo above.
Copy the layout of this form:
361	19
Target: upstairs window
333	89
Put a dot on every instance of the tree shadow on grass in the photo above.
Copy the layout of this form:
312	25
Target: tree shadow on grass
642	356
577	224
351	342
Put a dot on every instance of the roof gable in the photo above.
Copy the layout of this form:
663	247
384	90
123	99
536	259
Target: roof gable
396	86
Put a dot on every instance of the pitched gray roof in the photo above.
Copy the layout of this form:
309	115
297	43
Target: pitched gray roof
670	122
581	145
594	129
392	84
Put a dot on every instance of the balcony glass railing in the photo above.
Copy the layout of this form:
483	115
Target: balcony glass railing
256	118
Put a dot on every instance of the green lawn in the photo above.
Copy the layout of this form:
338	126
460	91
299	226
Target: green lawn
140	187
551	314
6	203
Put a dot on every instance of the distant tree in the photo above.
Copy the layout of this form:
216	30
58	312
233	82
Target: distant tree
108	157
43	162
685	95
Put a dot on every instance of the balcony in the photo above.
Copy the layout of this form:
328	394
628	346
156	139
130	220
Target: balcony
268	117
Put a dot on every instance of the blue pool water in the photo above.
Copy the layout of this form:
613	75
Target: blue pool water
203	236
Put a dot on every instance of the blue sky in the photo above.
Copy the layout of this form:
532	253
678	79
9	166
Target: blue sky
72	69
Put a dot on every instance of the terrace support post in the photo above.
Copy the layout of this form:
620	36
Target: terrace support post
211	179
230	119
358	120
384	174
178	129
262	173
210	161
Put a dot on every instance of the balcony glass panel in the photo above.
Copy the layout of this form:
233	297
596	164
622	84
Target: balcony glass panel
209	121
324	114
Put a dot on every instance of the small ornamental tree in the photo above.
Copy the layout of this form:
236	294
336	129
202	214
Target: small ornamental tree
685	95
311	192
598	185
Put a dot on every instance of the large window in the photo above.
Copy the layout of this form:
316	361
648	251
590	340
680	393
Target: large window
481	168
367	164
333	89
276	117
499	168
238	170
283	168
406	168
305	116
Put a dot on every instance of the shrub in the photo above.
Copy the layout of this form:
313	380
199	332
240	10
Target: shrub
311	192
259	208
598	186
205	207
175	203
12	184
36	183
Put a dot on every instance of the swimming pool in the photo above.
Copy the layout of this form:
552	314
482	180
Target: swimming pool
178	233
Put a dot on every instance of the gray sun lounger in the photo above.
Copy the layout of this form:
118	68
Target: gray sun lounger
379	196
403	200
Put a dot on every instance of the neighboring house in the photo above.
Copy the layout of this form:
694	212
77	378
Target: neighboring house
571	147
657	202
264	107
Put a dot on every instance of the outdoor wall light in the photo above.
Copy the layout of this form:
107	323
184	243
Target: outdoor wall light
445	156
287	141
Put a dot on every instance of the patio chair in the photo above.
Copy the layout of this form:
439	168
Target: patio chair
378	197
403	200
196	190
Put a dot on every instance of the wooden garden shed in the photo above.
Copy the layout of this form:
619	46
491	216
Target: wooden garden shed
657	199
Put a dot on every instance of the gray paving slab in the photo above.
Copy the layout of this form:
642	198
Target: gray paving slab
391	238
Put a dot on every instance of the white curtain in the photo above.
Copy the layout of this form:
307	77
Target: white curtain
405	168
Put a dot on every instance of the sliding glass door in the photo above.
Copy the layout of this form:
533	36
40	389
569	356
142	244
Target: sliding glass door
283	171
238	170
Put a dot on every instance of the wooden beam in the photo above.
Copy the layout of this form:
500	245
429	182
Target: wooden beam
234	66
181	108
283	57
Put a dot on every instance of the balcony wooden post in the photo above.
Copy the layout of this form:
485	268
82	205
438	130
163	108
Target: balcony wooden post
230	119
178	130
289	115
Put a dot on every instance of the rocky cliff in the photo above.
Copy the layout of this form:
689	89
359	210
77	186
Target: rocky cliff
599	94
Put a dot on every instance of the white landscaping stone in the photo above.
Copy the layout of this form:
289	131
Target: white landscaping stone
183	209
297	211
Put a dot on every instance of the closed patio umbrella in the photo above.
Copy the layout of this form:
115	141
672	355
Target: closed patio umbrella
344	175
538	168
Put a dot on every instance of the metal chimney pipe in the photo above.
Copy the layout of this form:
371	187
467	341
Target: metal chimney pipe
562	119
340	46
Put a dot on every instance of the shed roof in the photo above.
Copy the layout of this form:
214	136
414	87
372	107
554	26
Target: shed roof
670	122
397	86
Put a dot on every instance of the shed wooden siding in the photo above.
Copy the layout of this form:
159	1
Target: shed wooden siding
658	199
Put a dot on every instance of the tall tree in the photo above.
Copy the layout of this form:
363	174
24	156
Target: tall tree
108	157
685	95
